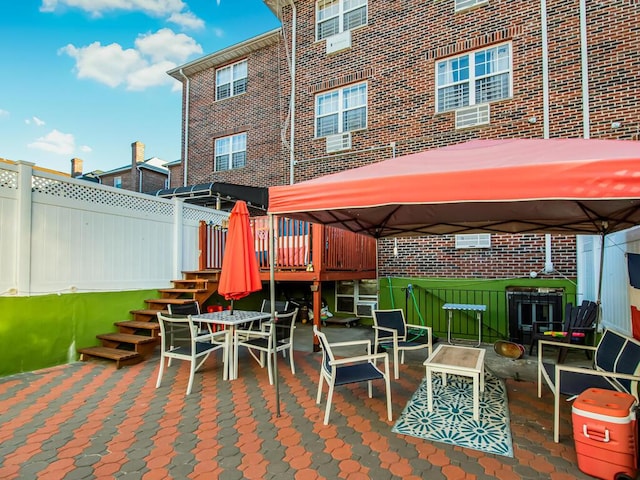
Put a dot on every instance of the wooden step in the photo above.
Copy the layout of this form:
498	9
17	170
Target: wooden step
167	301
137	327
182	290
200	282
147	315
121	357
141	344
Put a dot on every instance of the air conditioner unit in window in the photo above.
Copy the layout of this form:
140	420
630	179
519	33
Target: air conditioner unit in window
338	42
335	143
472	116
365	309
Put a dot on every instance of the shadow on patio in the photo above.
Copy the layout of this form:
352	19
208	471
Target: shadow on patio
88	420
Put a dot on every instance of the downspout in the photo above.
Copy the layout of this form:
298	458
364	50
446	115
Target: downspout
292	107
584	56
548	264
545	68
185	160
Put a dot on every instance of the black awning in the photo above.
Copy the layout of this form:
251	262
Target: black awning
210	194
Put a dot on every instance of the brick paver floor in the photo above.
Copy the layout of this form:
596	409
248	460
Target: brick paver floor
91	421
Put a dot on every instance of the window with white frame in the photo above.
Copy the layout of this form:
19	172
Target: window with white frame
477	77
336	16
117	182
342	110
231	80
473	240
230	152
466	4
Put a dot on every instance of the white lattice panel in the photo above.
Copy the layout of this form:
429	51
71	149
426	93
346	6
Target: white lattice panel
8	179
100	195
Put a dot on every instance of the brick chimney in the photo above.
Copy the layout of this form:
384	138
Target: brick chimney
137	153
76	167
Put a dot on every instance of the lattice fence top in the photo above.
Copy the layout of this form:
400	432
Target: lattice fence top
102	196
215	217
8	179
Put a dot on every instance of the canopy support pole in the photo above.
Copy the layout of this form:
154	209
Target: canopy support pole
272	298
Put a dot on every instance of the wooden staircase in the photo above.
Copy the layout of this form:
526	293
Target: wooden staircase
135	340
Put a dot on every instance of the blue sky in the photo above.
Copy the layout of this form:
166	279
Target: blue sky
86	78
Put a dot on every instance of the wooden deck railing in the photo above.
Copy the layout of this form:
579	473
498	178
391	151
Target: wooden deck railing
299	246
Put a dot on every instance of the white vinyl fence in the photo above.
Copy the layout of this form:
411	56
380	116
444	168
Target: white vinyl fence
615	311
59	234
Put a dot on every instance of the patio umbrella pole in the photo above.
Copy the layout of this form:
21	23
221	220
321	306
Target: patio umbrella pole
272	297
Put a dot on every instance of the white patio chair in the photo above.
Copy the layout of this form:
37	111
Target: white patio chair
391	330
180	340
342	371
263	341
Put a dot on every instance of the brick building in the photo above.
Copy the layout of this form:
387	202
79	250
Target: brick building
372	80
141	175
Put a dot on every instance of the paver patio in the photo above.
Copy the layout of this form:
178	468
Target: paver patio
91	421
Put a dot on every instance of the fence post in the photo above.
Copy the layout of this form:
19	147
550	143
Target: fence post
24	228
178	235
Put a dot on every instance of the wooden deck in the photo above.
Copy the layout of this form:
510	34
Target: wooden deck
304	252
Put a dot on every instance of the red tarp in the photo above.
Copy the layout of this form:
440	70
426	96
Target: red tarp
508	186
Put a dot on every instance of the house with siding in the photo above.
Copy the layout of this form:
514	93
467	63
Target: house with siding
346	83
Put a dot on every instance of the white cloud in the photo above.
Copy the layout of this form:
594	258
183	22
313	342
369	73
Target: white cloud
167	45
175	11
187	20
97	7
55	142
108	64
35	120
135	68
153	75
85	149
4	113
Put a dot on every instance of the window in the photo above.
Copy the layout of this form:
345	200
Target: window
230	152
231	80
342	110
336	16
473	240
466	4
117	182
356	296
478	77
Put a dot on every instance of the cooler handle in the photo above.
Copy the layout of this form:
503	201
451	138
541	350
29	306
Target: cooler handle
604	439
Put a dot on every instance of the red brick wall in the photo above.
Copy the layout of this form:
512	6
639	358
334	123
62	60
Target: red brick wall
396	54
509	256
260	112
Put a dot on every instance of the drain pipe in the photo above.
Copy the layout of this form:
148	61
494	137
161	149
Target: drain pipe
548	264
185	160
545	68
292	106
584	56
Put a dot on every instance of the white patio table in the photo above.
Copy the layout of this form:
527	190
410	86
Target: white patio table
231	319
456	360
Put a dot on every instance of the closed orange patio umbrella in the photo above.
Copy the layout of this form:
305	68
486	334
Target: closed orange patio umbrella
240	275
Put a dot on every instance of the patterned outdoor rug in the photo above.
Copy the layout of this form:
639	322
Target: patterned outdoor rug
452	418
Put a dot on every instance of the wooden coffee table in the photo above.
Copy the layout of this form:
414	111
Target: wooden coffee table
457	360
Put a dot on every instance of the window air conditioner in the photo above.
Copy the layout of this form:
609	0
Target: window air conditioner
336	143
338	42
365	309
472	116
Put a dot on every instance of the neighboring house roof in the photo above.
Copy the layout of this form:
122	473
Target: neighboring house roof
227	55
154	163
